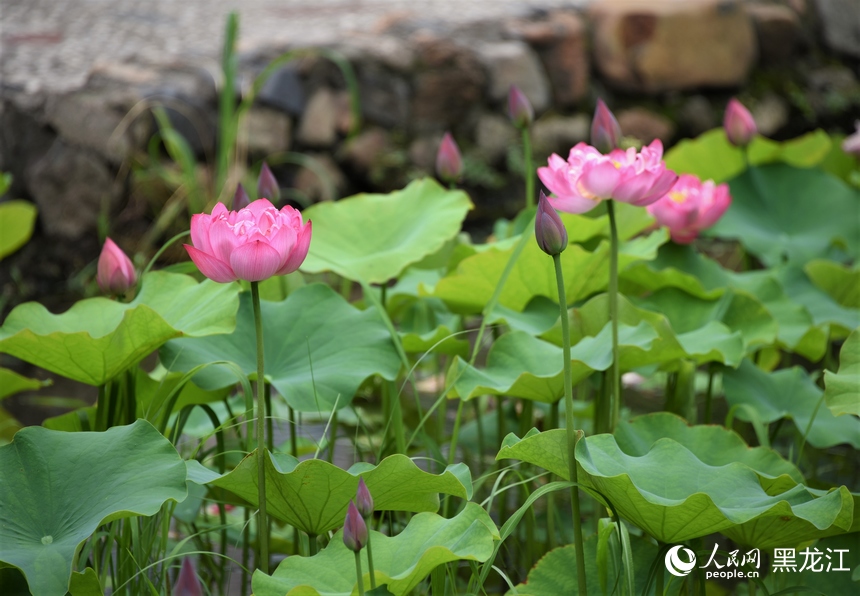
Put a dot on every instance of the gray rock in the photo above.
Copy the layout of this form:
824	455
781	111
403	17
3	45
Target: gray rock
770	114
494	134
778	31
840	20
284	90
515	63
324	182
697	115
268	131
71	186
319	122
384	95
557	134
364	151
645	125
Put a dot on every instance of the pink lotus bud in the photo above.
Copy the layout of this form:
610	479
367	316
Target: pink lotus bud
254	243
240	199
363	500
549	230
739	124
354	529
605	130
187	584
267	186
449	164
520	109
115	271
851	144
690	207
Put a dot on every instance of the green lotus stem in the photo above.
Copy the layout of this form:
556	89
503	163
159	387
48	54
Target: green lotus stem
312	544
571	429
294	439
370	567
358	575
456	433
712	372
333	437
550	498
476	405
262	451
530	171
613	315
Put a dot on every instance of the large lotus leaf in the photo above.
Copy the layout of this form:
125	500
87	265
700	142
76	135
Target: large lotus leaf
425	324
586	272
59	487
674	495
824	309
779	212
789	393
556	572
711	156
17	219
98	338
12	383
374	237
676	266
737	311
318	349
842	389
313	495
152	390
400	562
840	282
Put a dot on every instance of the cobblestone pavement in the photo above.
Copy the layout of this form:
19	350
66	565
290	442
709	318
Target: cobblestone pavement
51	45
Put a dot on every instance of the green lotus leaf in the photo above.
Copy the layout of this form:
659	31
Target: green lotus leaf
318	349
152	390
842	389
784	213
17	219
737	311
59	487
673	495
539	316
711	156
400	562
586	272
789	393
85	584
98	338
840	282
824	309
12	383
313	495
676	266
556	572
425	324
374	237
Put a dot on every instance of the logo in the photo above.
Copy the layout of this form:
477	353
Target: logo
676	565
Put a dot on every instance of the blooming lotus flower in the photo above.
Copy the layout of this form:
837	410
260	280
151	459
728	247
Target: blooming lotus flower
115	271
520	109
240	199
267	185
187	584
691	206
549	230
588	176
851	144
253	243
605	130
354	529
449	164
363	499
739	124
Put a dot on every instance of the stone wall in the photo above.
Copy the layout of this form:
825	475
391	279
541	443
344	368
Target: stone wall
666	67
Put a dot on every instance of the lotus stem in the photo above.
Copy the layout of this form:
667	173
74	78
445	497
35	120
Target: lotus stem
358	575
370	567
615	396
571	430
262	451
530	171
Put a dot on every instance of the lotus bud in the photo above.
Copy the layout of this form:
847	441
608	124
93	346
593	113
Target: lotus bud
520	109
267	186
739	124
187	584
605	130
240	199
449	164
549	230
363	500
354	529
851	144
115	271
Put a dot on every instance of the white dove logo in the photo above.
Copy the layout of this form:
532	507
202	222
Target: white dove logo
676	565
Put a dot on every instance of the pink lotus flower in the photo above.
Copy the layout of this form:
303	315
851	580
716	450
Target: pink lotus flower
520	109
691	206
449	163
187	584
115	271
739	124
354	529
587	177
605	130
851	144
549	229
253	243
